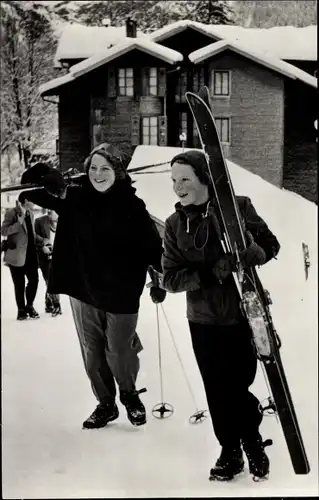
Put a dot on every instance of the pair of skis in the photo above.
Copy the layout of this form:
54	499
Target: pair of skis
254	298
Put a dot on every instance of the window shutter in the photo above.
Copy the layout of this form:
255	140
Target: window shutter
138	75
144	82
111	83
135	130
162	129
161	82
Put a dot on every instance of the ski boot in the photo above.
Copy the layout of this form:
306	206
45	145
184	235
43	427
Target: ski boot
257	458
22	314
102	415
134	407
56	310
32	313
229	464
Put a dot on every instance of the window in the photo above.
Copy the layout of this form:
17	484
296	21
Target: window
198	79
149	130
221	83
181	87
183	123
223	129
126	81
151	81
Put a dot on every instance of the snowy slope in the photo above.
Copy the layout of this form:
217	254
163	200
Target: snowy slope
46	395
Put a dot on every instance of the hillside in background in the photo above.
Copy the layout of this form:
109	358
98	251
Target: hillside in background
270	13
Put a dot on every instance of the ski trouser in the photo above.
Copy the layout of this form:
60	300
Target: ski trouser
109	346
51	299
227	363
25	295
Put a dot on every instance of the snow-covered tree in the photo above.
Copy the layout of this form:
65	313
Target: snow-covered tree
149	14
269	13
27	51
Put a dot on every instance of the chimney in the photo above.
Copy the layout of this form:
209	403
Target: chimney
130	28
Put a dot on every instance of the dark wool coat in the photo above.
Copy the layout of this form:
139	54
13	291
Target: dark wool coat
103	245
188	261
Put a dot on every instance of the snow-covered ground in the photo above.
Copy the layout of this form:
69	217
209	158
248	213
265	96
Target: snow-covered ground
46	394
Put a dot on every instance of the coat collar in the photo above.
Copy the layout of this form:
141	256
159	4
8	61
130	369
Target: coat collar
31	219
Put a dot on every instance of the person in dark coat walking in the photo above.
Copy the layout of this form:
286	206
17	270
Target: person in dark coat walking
105	241
45	229
194	261
20	255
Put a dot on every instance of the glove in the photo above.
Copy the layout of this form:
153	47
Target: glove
7	245
157	294
253	255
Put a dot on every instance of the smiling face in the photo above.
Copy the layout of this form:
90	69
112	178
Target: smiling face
187	186
101	173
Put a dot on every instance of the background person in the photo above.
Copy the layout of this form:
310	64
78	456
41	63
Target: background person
21	256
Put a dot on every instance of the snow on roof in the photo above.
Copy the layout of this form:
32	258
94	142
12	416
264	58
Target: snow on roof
46	88
165	54
79	42
286	42
179	26
268	60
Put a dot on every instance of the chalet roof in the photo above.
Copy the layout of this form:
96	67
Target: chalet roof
50	87
285	42
267	60
80	42
165	54
179	26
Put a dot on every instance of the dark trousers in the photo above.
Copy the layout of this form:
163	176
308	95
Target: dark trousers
227	363
51	299
109	346
22	292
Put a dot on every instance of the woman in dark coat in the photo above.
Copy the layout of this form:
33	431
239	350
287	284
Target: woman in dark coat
194	261
105	240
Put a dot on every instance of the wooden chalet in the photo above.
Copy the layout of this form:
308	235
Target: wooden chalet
132	92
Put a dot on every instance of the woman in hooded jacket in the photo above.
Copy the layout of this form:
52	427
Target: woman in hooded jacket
194	261
105	240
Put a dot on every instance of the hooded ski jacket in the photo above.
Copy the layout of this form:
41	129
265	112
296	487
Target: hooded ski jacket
192	247
103	245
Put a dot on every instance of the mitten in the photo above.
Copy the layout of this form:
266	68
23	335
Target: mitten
253	255
34	174
157	294
44	175
54	183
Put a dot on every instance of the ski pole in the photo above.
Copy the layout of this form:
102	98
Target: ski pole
161	410
73	174
198	415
